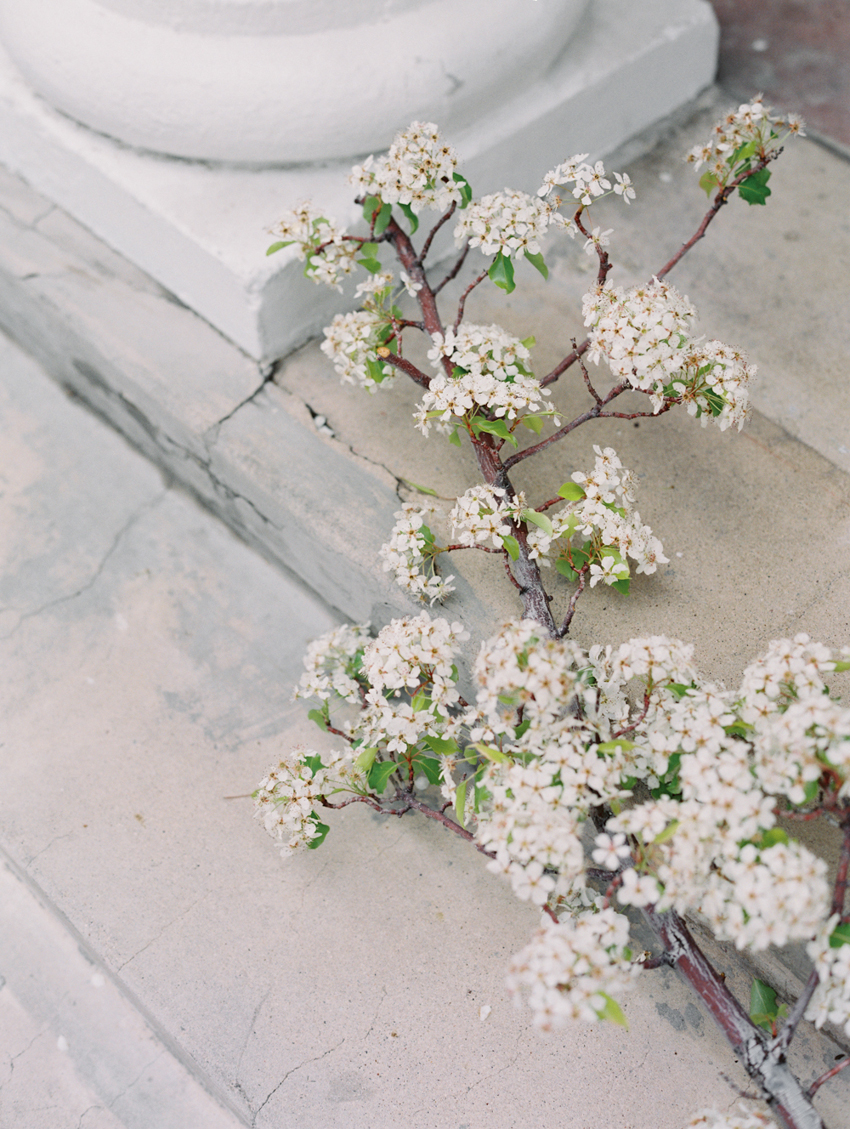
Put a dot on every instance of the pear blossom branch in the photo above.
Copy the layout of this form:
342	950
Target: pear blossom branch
444	218
405	366
591	413
462	303
455	271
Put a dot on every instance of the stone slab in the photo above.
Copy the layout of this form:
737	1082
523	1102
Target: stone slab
201	230
146	687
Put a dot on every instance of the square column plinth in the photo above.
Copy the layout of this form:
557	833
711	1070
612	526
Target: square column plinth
201	230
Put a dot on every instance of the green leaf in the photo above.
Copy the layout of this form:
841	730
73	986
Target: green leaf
612	1011
572	492
537	262
443	746
375	369
314	763
465	189
612	746
668	833
411	217
380	774
566	569
540	520
371	205
366	758
279	246
529	342
495	755
454	438
763	1006
320	718
773	836
810	790
323	831
840	936
708	182
501	273
371	265
621	586
512	546
842	665
421	489
384	217
742	153
678	688
460	802
754	189
533	423
496	427
430	767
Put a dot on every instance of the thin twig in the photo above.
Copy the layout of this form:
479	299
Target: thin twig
462	303
407	367
563	365
571	608
444	218
585	375
591	413
816	1085
455	271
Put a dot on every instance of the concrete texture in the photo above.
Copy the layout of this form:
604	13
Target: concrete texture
162	965
201	229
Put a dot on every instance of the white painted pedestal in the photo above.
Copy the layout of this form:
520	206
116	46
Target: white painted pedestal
198	224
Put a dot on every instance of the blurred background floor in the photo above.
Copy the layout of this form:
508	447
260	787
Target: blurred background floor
796	53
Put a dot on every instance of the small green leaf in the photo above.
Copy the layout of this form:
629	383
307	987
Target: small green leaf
668	833
460	802
314	763
369	250
496	427
708	182
365	759
501	273
763	1007
371	265
840	936
490	753
754	189
454	438
742	153
384	217
529	342
371	205
443	746
411	217
320	719
612	1011
810	790
323	830
279	246
773	836
380	774
465	189
572	492
540	520
622	586
842	665
612	746
430	767
421	489
512	546
533	423
679	689
537	262
566	569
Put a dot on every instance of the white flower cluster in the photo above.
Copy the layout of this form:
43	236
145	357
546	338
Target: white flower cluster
418	171
746	1119
286	798
410	549
489	373
571	970
482	514
831	1000
641	332
509	222
331	662
351	341
413	650
751	122
309	231
713	383
606	513
589	181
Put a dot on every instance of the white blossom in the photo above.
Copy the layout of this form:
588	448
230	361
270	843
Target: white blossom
418	171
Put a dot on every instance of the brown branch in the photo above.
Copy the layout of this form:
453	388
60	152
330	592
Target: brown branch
371	800
511	576
591	413
455	271
449	824
571	607
720	199
462	303
407	367
563	365
585	375
601	253
480	548
444	218
816	1085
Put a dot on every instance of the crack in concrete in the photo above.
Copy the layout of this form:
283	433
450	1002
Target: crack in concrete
79	1124
247	1038
157	936
375	1016
306	1062
141	512
501	1069
14	1058
55	839
267	374
130	1085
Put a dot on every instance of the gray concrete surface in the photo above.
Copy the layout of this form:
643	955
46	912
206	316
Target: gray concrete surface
148	658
